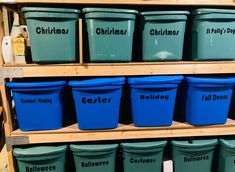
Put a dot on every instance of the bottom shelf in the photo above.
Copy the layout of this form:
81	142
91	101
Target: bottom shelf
72	133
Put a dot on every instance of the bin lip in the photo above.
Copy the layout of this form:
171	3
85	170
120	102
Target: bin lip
194	80
152	13
155	79
110	10
39	151
211	10
35	84
227	143
97	82
48	9
195	144
144	145
93	148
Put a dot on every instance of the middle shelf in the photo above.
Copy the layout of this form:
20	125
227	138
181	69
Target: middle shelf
123	69
71	133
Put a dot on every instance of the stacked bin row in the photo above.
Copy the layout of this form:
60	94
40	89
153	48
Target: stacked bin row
53	33
193	155
152	99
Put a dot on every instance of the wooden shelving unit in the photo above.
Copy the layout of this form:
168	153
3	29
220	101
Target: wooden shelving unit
71	133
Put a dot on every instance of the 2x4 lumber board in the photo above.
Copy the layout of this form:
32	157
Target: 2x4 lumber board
6	111
73	134
135	2
125	69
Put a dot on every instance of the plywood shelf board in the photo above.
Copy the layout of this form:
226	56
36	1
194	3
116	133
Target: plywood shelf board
72	133
125	69
129	2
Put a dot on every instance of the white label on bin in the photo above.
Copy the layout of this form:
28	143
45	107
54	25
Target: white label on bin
110	31
94	164
214	97
40	168
142	160
50	31
156	32
196	158
220	31
39	100
86	100
154	97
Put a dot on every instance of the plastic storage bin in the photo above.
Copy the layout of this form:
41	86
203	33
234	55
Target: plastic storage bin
163	35
110	34
94	158
153	99
97	102
227	156
213	34
39	105
207	100
145	156
43	158
52	33
193	157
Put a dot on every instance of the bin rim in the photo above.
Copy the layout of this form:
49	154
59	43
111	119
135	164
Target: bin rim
196	144
110	10
221	81
97	82
49	9
144	145
152	13
227	143
39	151
35	84
212	10
155	79
93	148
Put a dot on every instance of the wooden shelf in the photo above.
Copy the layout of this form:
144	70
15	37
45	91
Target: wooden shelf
123	69
73	134
129	2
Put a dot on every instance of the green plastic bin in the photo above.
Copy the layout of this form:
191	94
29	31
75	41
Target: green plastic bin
42	158
110	34
143	156
94	158
52	33
193	156
227	156
213	34
163	35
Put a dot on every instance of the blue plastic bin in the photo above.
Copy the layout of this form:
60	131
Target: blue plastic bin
207	100
39	105
97	102
153	99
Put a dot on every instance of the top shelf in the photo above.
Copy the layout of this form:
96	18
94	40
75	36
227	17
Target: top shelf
130	2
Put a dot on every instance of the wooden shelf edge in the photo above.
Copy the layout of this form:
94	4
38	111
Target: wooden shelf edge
123	132
129	2
123	69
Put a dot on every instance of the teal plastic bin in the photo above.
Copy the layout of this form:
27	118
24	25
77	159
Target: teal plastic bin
52	33
110	34
143	156
41	158
193	156
213	34
227	156
163	35
94	158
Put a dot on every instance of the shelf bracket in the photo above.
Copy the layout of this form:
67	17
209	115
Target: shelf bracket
16	140
10	73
